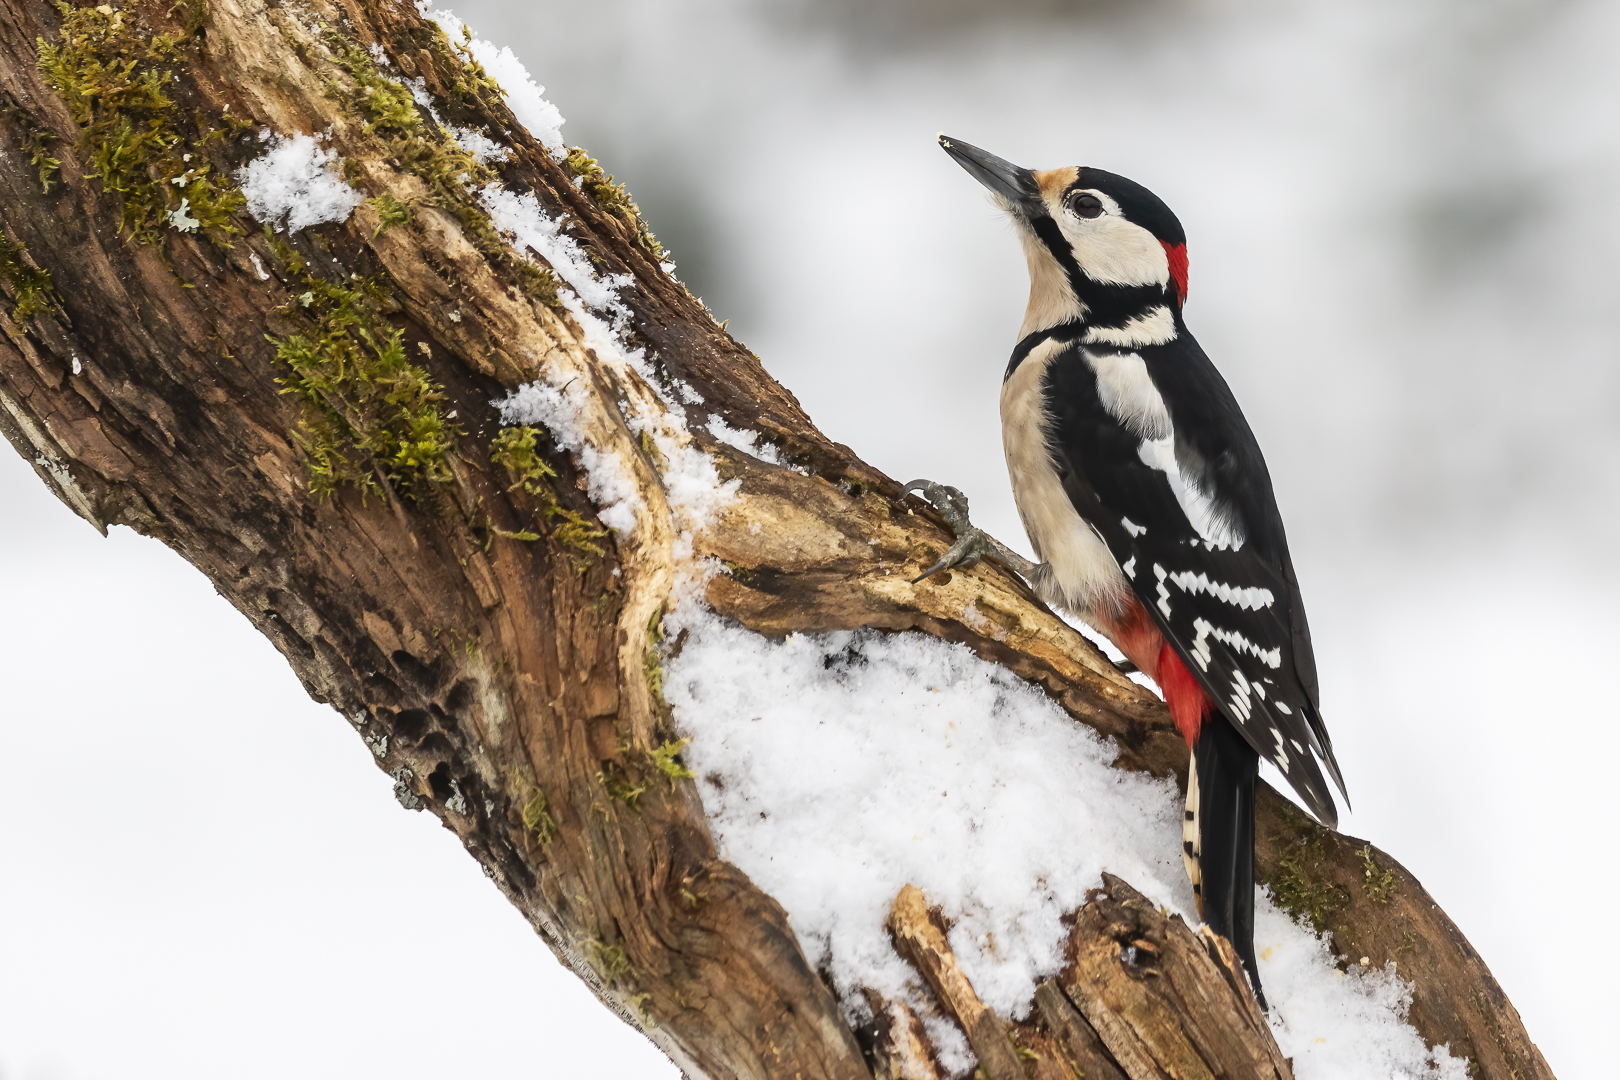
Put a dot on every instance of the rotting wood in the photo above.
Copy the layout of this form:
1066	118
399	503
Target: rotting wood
1074	1035
922	942
897	1046
1164	1001
504	682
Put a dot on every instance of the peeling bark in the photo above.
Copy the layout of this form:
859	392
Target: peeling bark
504	682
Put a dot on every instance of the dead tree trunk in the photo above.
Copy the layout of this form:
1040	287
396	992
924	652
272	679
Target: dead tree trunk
306	417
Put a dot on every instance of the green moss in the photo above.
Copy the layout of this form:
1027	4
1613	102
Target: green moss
35	141
29	284
473	86
391	212
619	785
613	198
1299	890
610	961
516	449
116	80
663	759
1379	885
428	153
643	1005
371	418
651	660
537	818
596	183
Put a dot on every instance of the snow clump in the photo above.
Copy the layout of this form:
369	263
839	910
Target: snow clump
836	768
611	485
524	96
295	184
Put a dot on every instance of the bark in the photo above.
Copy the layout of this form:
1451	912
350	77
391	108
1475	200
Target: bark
508	684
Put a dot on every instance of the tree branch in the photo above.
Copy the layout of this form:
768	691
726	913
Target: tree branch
306	418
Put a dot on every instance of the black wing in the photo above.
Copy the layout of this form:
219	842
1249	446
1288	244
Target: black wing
1190	516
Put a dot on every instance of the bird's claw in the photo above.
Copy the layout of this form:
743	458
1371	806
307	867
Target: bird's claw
972	543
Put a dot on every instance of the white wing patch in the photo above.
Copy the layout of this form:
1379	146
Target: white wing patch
1132	527
1248	596
1127	392
1200	509
1164	593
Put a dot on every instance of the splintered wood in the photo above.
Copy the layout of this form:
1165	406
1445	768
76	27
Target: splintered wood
1142	997
923	944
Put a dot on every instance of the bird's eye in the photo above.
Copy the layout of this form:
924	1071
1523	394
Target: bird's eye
1087	206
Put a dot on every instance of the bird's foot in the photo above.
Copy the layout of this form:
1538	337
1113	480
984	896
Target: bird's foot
972	543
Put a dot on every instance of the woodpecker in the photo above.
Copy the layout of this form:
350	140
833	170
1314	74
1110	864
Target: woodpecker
1150	509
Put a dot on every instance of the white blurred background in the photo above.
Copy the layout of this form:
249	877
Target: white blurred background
1401	217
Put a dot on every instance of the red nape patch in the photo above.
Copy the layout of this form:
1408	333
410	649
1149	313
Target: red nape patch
1177	254
1187	700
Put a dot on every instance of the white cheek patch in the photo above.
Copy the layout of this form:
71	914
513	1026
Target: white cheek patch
1111	249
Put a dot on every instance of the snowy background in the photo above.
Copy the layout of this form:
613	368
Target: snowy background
1401	221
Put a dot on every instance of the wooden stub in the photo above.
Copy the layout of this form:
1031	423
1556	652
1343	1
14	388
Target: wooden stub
923	944
1164	1001
895	1043
1074	1035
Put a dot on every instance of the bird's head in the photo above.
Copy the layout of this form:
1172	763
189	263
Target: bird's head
1102	249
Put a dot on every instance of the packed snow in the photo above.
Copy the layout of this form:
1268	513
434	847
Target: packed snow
295	184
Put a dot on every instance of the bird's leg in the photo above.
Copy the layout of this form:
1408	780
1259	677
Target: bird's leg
972	543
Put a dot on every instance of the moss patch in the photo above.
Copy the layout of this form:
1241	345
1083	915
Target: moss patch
610	961
371	418
432	156
619	785
117	80
537	818
390	211
1378	884
516	449
663	759
613	198
30	286
1299	889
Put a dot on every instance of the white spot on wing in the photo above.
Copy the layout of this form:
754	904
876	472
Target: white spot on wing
1164	593
1130	568
1270	657
1247	596
1132	527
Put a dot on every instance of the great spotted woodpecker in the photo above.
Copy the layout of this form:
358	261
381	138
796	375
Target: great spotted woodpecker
1150	508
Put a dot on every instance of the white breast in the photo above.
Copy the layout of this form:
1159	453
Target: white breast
1080	574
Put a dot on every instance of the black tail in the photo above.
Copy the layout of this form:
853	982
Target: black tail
1227	770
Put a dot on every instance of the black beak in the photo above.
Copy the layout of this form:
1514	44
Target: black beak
1017	186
